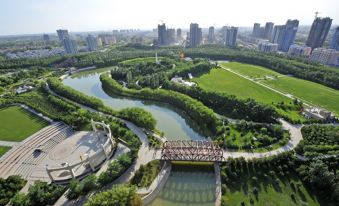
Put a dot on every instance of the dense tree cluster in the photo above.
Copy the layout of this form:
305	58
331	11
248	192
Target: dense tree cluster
39	194
249	135
20	75
318	176
90	183
204	116
136	114
229	105
9	187
119	130
118	195
145	175
241	175
318	140
322	176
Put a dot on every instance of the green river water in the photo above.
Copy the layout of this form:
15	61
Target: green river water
188	185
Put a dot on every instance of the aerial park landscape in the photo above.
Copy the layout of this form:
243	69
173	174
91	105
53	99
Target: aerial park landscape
228	103
247	150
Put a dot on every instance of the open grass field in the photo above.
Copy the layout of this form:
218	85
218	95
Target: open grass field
309	92
249	70
3	150
273	189
17	123
225	81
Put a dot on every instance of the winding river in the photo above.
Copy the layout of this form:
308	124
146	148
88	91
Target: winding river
187	185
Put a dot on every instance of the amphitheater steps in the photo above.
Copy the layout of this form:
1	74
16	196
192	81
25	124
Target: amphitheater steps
23	159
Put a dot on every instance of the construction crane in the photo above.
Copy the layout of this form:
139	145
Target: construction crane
316	14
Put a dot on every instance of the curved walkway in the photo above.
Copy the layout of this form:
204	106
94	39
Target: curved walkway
296	137
147	154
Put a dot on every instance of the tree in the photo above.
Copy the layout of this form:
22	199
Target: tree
42	193
20	199
320	176
119	195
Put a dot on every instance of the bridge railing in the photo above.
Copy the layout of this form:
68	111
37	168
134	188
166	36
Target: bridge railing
202	151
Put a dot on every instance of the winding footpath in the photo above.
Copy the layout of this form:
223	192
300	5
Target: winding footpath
296	137
147	154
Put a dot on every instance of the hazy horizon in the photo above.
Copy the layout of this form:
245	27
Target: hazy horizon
19	17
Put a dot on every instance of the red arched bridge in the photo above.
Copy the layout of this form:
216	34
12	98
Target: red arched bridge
201	151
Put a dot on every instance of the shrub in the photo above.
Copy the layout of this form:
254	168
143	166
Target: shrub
39	194
9	187
118	195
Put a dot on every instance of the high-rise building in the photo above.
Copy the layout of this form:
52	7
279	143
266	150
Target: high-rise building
230	36
161	34
268	47
92	43
195	35
318	32
62	34
170	36
70	46
107	39
299	50
278	34
211	36
290	33
179	35
262	32
284	35
268	30
335	40
45	37
256	30
325	56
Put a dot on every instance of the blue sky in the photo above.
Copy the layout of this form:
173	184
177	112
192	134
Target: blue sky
39	16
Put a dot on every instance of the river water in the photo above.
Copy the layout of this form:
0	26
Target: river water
187	185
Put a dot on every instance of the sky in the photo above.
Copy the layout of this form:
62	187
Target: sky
45	16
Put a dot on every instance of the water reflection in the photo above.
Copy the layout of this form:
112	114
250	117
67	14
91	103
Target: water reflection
188	185
173	122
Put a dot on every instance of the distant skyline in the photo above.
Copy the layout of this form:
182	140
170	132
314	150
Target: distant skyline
46	16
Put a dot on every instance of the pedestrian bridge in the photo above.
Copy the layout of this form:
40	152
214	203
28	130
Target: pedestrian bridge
196	151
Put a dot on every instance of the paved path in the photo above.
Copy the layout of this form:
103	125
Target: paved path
36	113
296	137
8	143
147	154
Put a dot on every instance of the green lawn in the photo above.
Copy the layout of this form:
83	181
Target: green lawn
249	70
273	189
313	93
225	81
3	150
308	91
17	123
